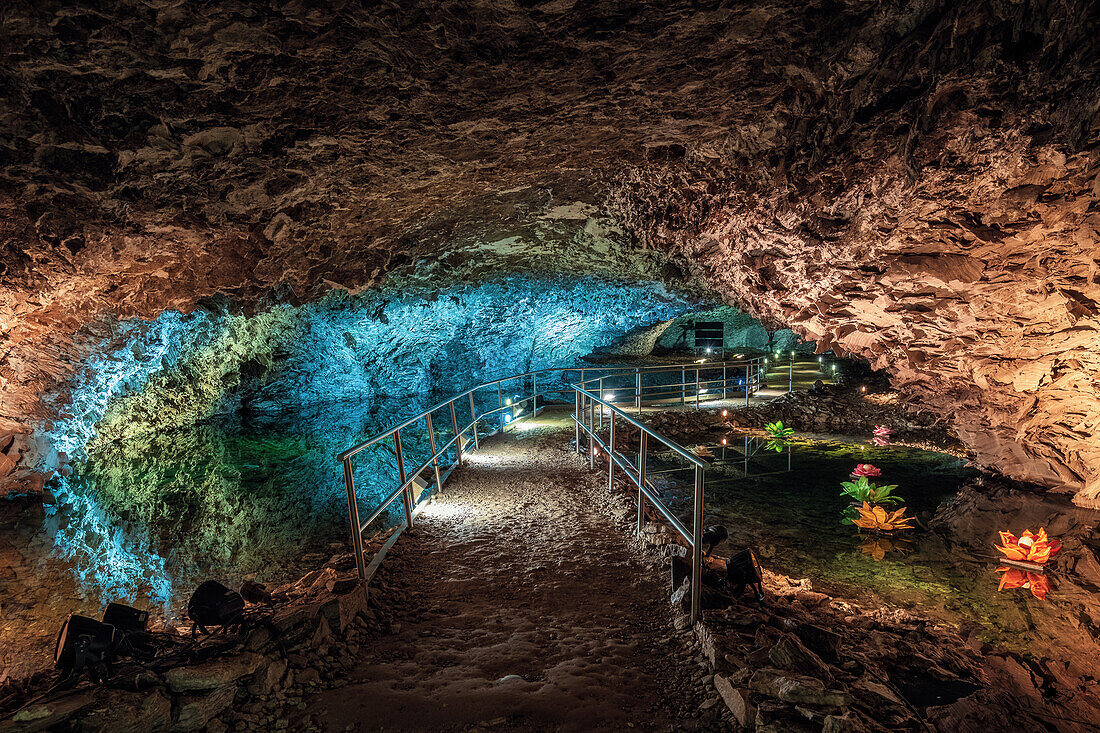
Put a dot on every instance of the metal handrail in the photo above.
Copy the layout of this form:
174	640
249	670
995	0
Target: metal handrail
752	379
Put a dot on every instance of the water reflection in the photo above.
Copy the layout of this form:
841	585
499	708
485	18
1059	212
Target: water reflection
879	547
228	497
946	567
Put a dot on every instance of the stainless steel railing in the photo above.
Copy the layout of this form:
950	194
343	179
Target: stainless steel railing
628	383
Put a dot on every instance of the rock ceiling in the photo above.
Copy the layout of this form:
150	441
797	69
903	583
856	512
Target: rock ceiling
917	183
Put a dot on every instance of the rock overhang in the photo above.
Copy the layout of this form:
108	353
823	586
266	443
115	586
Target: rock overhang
913	183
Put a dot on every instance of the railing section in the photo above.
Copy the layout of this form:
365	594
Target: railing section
597	392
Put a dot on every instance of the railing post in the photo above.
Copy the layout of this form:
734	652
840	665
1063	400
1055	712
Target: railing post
611	455
534	394
638	390
697	549
435	456
473	418
591	434
602	398
724	380
748	382
790	376
458	438
500	401
577	417
353	518
683	386
407	493
641	477
696	388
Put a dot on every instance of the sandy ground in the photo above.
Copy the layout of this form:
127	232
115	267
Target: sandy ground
520	605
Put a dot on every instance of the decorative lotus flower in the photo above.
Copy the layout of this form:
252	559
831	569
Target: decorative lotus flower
865	469
882	435
779	435
878	519
1028	547
862	489
1038	583
702	451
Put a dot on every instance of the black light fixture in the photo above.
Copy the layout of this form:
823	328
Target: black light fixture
84	643
214	605
131	624
125	619
742	570
714	536
254	592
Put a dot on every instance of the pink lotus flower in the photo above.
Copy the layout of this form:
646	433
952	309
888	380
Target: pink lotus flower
882	435
866	469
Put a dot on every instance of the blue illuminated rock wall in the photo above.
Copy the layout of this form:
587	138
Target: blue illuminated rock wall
207	442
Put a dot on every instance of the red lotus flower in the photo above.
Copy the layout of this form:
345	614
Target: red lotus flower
1028	547
1038	583
866	469
882	435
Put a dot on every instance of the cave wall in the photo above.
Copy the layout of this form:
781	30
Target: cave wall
208	442
932	204
915	182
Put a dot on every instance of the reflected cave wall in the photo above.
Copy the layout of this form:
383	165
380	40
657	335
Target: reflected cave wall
209	439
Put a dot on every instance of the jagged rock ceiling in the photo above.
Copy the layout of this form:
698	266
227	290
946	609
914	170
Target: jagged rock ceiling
917	183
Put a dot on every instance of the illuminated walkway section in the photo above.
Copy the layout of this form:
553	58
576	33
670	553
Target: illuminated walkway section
520	598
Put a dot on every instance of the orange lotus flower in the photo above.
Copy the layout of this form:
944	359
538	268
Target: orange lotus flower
1038	583
1028	547
877	518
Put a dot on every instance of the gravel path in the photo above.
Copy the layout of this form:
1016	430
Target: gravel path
521	605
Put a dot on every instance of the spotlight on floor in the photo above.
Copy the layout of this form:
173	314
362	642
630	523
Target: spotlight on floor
214	605
715	534
126	619
85	644
131	624
742	570
254	592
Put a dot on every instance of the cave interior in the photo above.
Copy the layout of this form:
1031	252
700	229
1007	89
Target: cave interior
237	238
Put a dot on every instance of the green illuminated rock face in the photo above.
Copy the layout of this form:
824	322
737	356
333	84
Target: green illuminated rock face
208	442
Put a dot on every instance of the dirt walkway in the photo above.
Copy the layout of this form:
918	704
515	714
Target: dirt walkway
520	605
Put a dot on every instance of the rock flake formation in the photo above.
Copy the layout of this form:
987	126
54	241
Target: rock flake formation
916	183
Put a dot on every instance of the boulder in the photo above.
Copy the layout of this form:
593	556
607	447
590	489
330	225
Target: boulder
267	677
789	653
796	689
50	714
193	712
737	700
213	674
127	712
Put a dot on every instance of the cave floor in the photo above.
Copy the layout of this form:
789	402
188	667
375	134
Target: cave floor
517	603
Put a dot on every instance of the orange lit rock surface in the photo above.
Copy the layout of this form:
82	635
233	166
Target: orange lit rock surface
915	183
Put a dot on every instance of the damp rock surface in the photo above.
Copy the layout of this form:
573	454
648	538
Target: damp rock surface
519	605
915	182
